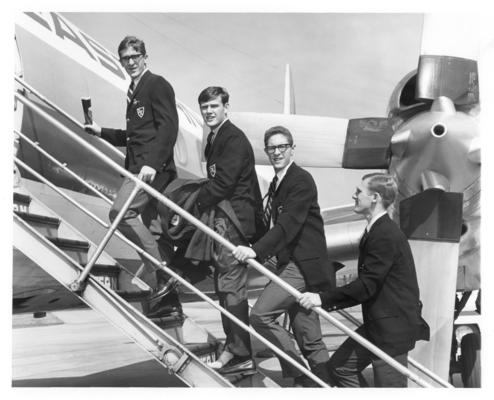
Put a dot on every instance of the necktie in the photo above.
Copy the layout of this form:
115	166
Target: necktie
209	143
130	92
269	202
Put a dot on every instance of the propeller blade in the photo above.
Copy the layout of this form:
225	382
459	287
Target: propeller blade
448	61
367	143
432	221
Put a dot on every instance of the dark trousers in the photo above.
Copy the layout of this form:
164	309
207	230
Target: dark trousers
305	324
230	280
146	233
351	358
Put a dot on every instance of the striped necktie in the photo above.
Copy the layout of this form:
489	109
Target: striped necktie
130	92
269	203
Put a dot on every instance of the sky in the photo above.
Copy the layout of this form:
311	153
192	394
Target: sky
342	64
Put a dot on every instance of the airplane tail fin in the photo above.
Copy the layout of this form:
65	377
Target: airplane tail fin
289	96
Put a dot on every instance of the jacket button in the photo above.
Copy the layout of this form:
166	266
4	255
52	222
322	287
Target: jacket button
128	119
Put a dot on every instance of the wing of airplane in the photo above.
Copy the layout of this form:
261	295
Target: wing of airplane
429	141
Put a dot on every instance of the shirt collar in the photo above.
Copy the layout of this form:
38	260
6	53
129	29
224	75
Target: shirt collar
374	219
215	130
281	174
136	81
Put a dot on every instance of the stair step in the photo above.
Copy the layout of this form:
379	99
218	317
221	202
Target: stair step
106	274
21	202
76	249
47	226
133	295
170	321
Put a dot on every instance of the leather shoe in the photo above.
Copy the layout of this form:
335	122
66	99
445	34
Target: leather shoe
165	290
224	358
237	364
167	306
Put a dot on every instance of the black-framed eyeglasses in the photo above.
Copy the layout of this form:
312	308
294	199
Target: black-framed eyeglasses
281	147
133	57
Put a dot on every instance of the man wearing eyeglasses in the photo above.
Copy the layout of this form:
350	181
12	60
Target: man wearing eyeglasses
150	135
231	176
295	235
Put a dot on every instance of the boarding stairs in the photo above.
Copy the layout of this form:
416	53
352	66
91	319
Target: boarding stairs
44	239
103	288
178	344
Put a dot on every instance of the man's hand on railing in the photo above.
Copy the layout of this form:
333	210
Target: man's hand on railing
93	129
309	300
147	174
242	253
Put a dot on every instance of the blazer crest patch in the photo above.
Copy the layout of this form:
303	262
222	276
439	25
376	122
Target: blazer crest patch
212	170
140	112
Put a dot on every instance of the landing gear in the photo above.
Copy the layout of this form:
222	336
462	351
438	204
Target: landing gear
470	360
465	353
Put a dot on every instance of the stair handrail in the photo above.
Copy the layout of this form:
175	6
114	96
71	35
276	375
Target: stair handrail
170	272
214	235
37	147
146	328
64	113
156	262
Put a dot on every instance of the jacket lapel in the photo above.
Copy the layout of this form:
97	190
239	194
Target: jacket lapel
378	222
288	174
144	77
278	194
210	146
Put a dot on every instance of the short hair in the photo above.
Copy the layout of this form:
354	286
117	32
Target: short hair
211	93
133	42
275	130
384	184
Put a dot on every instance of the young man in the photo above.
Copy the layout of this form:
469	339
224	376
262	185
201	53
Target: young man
150	135
231	176
296	236
386	287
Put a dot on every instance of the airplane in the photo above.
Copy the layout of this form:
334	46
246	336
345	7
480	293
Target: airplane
396	142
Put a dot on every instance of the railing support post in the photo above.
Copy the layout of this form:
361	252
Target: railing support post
78	284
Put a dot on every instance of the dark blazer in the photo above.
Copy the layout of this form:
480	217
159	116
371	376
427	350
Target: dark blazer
232	176
152	128
387	288
298	231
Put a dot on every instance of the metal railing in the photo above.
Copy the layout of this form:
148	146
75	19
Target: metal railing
77	285
190	218
63	112
410	360
141	185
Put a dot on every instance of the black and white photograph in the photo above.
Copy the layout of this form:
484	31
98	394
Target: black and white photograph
249	197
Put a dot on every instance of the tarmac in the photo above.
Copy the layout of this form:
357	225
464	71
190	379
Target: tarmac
80	348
